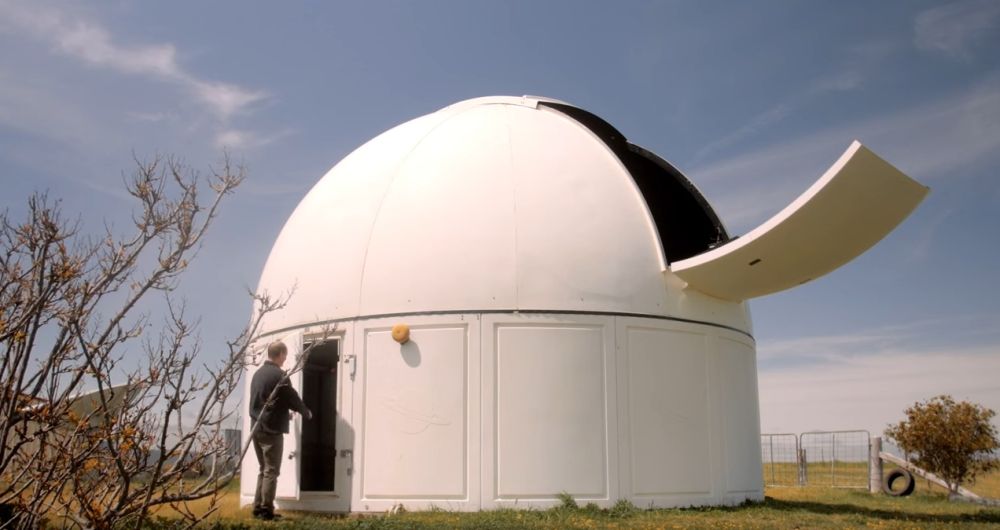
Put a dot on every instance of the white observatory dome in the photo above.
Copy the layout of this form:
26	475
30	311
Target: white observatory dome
505	301
496	203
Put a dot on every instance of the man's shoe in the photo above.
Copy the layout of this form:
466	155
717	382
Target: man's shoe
266	516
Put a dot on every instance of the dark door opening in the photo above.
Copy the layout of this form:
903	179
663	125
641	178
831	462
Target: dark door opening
319	435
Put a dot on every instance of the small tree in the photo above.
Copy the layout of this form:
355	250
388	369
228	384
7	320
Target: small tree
954	440
70	323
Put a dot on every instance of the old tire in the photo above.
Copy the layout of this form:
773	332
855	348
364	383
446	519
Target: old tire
898	483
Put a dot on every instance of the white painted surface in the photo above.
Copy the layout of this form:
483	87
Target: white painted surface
434	246
668	413
548	402
737	367
250	467
457	222
288	478
415	414
584	238
551	416
490	204
481	411
855	204
340	499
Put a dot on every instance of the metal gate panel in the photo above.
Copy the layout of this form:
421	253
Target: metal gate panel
836	459
780	457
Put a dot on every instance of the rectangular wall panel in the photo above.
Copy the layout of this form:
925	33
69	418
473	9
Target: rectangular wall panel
415	414
551	423
668	412
738	375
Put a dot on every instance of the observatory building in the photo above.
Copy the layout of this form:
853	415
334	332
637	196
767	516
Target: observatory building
576	315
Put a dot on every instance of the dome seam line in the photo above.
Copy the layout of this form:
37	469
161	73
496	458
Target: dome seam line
388	190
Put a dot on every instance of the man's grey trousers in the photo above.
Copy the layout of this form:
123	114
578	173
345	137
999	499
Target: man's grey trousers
268	448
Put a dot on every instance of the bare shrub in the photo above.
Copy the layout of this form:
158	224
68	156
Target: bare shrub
69	319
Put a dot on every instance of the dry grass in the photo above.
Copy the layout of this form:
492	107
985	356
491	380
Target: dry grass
227	507
985	486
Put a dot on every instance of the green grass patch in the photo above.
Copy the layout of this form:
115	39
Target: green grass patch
784	507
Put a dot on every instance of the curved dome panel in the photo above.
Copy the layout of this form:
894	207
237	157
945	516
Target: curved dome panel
493	204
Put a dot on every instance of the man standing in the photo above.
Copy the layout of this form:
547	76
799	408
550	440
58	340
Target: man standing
271	398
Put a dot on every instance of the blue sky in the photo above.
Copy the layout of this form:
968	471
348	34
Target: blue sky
752	100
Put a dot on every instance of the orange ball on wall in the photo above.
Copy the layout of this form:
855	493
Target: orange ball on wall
401	333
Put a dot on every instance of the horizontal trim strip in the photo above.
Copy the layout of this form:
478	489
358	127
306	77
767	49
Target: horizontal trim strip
509	312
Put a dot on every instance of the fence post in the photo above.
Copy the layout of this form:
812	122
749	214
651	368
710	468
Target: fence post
803	478
875	465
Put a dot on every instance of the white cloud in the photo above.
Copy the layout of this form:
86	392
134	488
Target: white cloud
860	59
927	141
758	123
226	99
921	245
233	139
94	45
240	139
954	27
151	117
864	380
871	392
913	337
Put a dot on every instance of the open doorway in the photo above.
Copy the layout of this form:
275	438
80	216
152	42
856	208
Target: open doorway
319	435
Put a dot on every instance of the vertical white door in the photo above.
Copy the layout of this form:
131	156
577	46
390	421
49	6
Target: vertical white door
288	480
250	467
344	468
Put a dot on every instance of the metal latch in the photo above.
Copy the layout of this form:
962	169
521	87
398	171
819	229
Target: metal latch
351	360
349	455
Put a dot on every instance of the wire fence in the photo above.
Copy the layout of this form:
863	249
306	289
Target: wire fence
836	459
780	455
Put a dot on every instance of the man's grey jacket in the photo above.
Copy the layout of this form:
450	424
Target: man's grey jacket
274	418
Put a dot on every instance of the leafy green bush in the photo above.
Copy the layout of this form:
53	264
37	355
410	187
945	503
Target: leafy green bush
954	440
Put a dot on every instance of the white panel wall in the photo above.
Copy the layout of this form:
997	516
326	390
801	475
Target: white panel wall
738	380
415	416
510	410
547	428
668	411
250	467
550	412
